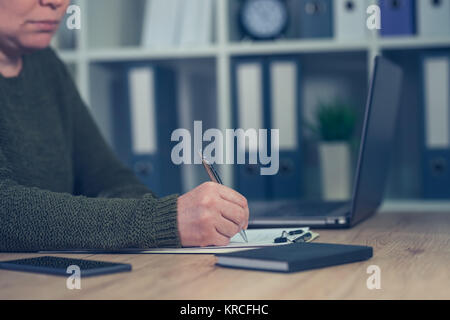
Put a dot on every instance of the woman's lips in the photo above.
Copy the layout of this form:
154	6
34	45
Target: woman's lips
45	25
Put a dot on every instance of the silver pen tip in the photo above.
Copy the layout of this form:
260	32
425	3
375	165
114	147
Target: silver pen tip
244	235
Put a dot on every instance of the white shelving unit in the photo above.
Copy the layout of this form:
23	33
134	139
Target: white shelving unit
83	57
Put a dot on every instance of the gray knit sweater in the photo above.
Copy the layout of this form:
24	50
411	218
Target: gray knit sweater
61	186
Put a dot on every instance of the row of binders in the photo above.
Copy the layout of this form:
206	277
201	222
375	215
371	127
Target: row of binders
172	23
398	17
265	94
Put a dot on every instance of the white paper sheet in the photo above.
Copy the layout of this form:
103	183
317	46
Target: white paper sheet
257	238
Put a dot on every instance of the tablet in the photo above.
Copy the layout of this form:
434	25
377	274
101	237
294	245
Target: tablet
58	266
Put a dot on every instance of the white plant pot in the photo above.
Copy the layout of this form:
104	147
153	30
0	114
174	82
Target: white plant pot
335	170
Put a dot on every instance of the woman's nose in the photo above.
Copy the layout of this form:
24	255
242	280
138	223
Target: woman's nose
53	3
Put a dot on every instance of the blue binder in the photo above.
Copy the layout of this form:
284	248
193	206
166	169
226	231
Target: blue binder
286	183
153	166
316	19
285	115
436	128
249	77
398	17
436	174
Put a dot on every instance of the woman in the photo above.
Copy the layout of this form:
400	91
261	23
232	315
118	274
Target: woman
60	184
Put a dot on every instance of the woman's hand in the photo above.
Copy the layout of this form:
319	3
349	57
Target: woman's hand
210	215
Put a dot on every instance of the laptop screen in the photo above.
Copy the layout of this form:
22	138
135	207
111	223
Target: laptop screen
377	139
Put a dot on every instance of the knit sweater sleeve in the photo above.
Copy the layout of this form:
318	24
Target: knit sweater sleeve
34	219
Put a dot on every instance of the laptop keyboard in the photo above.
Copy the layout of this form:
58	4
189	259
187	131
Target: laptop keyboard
295	208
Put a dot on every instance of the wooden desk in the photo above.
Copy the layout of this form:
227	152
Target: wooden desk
411	249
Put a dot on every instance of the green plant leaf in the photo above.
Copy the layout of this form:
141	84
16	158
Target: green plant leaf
336	121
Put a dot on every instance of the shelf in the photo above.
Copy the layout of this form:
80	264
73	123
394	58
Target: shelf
296	46
332	45
413	42
136	53
252	48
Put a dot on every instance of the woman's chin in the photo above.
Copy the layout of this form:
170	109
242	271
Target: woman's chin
37	41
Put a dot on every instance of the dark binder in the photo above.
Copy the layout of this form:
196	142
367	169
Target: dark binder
287	183
436	174
156	169
316	19
436	126
398	17
295	257
249	181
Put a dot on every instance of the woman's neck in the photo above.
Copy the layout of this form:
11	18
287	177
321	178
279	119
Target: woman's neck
10	64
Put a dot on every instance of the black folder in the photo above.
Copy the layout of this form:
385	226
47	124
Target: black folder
295	257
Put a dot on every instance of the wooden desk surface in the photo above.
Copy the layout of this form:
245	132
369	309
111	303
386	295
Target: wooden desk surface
411	249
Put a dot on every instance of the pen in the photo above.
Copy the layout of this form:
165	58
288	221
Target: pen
214	176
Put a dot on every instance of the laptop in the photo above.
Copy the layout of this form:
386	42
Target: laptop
377	141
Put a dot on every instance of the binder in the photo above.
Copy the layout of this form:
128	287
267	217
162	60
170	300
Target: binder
266	96
144	117
397	17
433	18
152	20
350	19
436	99
285	116
206	28
249	104
197	23
316	19
162	23
190	23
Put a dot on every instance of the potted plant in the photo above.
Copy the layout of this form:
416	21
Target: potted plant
335	125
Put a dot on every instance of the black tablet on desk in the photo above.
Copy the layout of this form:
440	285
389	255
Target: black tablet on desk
59	266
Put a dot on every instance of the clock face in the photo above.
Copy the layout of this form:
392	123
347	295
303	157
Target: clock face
264	19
